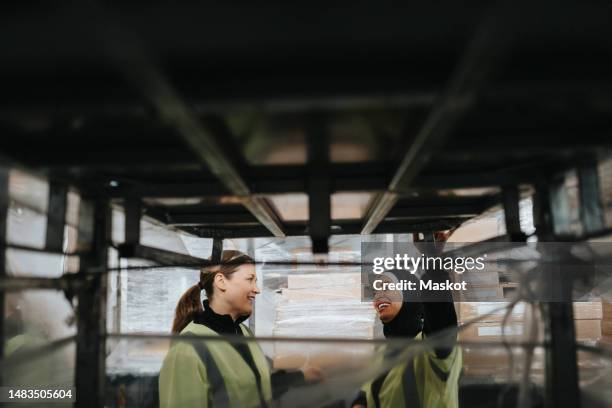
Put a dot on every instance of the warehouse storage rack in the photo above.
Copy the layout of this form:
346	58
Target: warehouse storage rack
150	107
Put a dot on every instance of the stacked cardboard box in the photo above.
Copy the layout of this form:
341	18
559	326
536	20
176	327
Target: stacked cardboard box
483	286
494	361
489	326
322	305
587	320
606	324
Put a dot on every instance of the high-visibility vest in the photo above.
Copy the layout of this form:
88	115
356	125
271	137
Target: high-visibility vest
21	341
425	381
201	373
46	374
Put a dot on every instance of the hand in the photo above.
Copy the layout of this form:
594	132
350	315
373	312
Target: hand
443	236
312	374
439	236
436	247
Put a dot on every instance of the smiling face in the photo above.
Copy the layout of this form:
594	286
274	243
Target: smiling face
239	290
386	309
387	303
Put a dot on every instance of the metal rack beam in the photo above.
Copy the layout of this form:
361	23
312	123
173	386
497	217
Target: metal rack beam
133	213
206	138
210	215
56	216
319	185
69	282
511	202
339	227
4	205
283	179
562	388
160	256
467	79
90	373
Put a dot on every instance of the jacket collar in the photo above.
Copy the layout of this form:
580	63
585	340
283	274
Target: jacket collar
220	323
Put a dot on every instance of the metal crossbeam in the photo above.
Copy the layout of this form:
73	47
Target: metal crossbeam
343	227
205	138
467	79
234	215
283	179
160	256
69	282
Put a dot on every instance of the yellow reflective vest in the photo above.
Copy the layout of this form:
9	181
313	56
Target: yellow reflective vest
21	342
425	381
206	374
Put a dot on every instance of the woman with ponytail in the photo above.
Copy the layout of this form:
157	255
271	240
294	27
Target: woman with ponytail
215	373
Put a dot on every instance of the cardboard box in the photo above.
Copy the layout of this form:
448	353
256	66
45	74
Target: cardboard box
492	332
606	327
516	331
485	278
605	341
496	360
315	281
325	360
588	329
470	310
353	293
494	311
480	293
481	357
607	308
587	310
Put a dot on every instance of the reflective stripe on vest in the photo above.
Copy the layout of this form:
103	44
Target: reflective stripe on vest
422	381
229	373
443	376
220	397
411	394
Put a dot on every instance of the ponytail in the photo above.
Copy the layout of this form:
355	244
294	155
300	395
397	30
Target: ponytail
189	305
187	308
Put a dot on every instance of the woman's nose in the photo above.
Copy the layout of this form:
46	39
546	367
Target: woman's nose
256	290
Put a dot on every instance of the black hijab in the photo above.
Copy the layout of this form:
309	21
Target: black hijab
407	323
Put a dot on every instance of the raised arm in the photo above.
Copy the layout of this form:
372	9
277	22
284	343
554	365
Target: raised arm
440	315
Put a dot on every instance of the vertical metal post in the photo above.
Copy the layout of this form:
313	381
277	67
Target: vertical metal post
319	184
133	212
510	196
562	388
4	205
56	216
119	297
591	208
91	310
217	250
